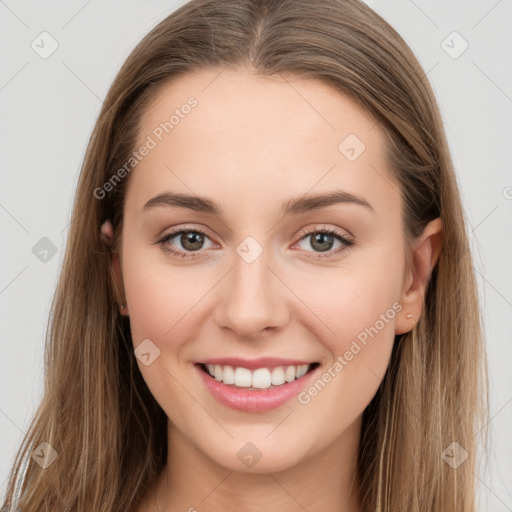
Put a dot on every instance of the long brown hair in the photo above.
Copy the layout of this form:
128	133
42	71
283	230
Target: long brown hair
97	412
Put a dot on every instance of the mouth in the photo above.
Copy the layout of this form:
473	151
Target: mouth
259	378
257	389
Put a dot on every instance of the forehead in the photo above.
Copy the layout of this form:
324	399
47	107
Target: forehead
232	98
279	135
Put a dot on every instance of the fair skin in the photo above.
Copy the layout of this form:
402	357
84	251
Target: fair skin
249	145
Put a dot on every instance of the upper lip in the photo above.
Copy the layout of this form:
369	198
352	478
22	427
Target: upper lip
251	364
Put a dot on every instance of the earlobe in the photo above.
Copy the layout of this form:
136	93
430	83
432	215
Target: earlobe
424	256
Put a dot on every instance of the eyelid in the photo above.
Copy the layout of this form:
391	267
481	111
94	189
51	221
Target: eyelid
183	227
335	230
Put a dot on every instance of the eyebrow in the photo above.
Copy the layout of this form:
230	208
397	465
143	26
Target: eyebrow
293	206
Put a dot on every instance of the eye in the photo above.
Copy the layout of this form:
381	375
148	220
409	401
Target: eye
322	240
191	240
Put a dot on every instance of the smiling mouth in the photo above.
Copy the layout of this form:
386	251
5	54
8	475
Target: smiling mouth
258	379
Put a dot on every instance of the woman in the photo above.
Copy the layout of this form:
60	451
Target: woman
267	299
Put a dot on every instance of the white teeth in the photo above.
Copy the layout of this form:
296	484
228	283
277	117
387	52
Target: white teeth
302	370
228	375
289	374
243	378
261	378
278	376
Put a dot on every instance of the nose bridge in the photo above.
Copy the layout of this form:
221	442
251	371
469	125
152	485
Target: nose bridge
252	298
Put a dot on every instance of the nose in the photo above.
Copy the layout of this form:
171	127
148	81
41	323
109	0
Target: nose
252	300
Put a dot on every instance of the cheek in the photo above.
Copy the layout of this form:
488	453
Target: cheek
346	303
163	306
162	300
355	311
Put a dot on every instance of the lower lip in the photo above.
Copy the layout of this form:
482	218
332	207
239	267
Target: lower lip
257	400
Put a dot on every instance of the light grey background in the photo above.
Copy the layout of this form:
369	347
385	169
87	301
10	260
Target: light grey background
48	108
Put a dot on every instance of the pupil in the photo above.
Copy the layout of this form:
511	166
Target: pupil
321	238
195	239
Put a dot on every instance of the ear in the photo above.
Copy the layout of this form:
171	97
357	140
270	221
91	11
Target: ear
423	257
107	236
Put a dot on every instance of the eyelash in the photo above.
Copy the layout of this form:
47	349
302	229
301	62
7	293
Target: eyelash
347	241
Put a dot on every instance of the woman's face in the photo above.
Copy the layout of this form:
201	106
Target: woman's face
254	277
